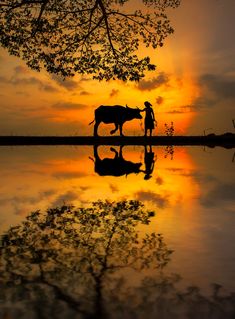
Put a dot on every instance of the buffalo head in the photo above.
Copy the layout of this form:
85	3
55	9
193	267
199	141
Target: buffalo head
134	113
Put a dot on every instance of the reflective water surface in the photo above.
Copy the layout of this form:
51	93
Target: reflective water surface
150	233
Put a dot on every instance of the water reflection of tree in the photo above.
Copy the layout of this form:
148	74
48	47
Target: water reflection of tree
76	263
67	257
161	297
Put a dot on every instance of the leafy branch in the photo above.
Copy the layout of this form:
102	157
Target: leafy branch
101	38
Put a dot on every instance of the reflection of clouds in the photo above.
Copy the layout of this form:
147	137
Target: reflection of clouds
22	204
3	79
47	193
203	178
149	196
155	82
84	188
114	188
199	176
68	198
219	194
22	93
175	169
20	211
159	180
24	199
69	175
213	191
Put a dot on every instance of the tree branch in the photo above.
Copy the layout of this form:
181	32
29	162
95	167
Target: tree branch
24	2
43	6
107	26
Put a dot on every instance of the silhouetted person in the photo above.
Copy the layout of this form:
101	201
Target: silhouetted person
149	118
149	161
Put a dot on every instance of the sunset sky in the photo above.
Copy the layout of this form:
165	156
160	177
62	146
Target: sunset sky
193	85
190	188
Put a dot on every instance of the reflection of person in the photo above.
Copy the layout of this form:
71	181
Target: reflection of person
149	162
149	118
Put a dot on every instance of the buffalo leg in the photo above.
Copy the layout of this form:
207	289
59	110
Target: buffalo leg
96	128
120	152
116	153
116	127
96	156
120	129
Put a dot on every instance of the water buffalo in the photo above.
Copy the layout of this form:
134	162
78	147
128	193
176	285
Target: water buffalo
116	114
116	166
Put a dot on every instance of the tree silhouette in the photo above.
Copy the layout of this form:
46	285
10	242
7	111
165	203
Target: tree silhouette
71	259
162	297
98	37
72	263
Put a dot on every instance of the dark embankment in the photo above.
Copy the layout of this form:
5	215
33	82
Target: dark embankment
226	140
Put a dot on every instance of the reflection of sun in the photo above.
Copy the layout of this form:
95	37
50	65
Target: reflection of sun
67	176
176	177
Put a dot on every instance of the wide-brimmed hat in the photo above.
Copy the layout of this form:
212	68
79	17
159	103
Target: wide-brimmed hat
146	103
147	177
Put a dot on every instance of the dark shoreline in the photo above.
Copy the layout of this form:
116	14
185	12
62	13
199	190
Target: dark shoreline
226	140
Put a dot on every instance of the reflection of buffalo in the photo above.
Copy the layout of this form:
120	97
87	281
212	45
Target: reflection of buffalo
116	114
116	166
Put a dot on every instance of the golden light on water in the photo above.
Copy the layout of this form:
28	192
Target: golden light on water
70	173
